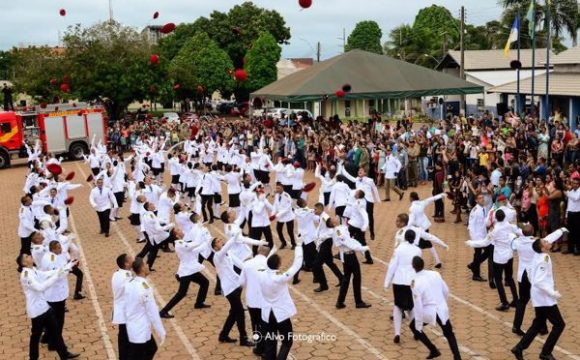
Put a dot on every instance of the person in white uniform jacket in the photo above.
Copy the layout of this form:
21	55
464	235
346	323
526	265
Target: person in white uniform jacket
417	217
102	200
339	196
391	170
278	307
231	289
523	245
545	301
430	294
26	224
120	278
284	215
326	183
252	270
501	238
478	230
142	314
189	270
399	274
34	284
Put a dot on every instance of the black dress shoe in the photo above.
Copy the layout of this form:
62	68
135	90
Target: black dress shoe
518	332
386	200
78	296
397	339
503	307
70	355
295	281
547	357
518	353
438	266
492	285
227	340
368	262
401	196
340	306
106	235
202	306
434	354
478	278
363	305
513	304
372	236
544	331
217	292
321	289
166	315
246	342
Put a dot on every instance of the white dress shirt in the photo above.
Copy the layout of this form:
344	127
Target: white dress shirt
188	254
58	291
573	200
141	311
477	223
120	278
306	224
417	215
283	208
101	199
260	212
430	298
252	270
501	238
400	270
275	290
542	291
34	284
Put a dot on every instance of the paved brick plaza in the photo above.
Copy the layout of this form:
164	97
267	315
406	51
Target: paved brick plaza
324	331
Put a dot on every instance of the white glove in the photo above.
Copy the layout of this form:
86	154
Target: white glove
162	340
556	295
444	195
446	247
299	240
468	243
365	248
263	242
565	230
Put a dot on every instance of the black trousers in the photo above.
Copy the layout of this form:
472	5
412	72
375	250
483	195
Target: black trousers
282	330
184	282
201	259
479	256
501	272
235	316
574	227
447	332
25	244
523	299
144	351
79	282
289	228
207	201
351	268
151	250
359	236
58	309
104	221
324	256
543	313
46	321
310	255
258	327
439	208
123	342
256	234
371	213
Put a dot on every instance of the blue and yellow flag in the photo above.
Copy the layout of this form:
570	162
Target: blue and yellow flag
513	37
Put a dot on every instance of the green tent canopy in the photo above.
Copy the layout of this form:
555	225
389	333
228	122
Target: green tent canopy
370	75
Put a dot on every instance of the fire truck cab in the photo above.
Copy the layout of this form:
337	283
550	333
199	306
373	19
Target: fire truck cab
61	129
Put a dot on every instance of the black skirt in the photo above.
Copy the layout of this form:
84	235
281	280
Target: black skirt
403	297
262	176
175	179
217	198
120	197
424	244
135	219
233	200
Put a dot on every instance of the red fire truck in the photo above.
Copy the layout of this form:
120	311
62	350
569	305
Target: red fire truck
62	130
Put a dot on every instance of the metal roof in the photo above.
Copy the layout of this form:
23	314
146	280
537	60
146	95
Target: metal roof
494	59
564	84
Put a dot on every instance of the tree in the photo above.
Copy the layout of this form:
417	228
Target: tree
564	15
34	68
261	60
201	65
110	63
365	36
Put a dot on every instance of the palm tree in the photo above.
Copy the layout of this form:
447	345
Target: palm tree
564	14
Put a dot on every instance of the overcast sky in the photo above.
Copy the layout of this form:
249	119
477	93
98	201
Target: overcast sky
37	22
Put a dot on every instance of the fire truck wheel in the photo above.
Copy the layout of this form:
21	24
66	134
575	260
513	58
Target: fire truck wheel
4	159
77	150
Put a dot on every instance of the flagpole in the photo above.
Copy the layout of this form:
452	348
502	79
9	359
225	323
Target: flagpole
548	112
518	100
533	24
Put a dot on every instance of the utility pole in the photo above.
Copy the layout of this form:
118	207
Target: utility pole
111	11
318	52
462	49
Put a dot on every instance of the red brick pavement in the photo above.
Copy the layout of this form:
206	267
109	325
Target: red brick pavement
482	332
